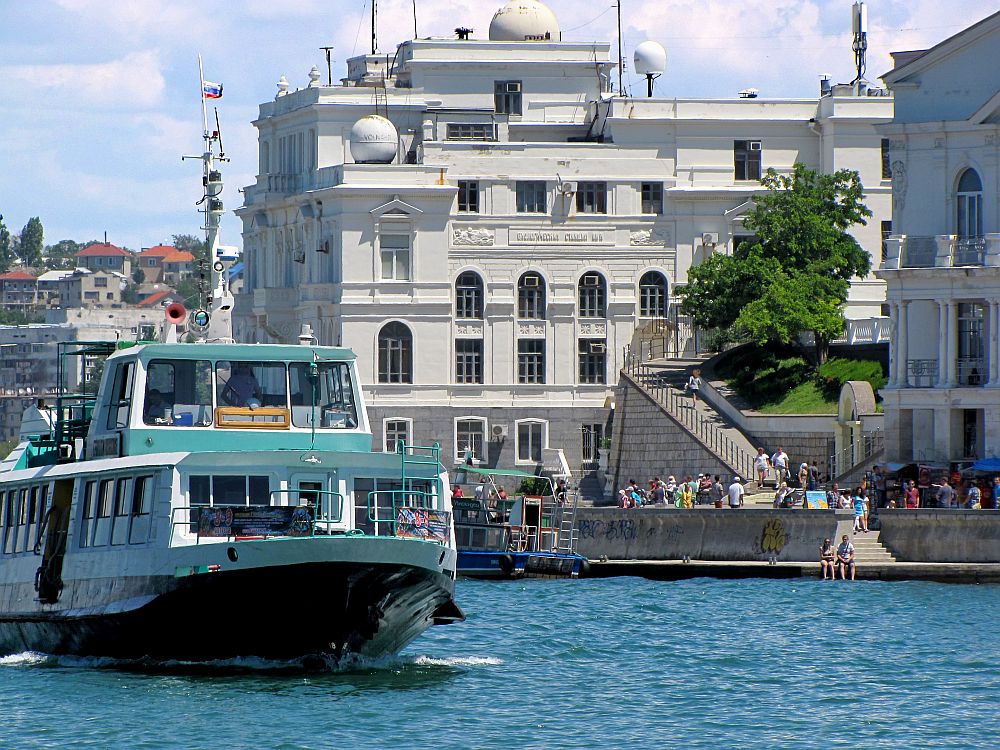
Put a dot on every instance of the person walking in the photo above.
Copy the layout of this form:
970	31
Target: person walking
761	464
735	494
860	521
945	495
694	384
780	463
912	495
717	492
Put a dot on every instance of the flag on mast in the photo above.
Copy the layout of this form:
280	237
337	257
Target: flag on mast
211	90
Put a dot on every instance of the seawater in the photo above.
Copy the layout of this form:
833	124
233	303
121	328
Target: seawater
615	663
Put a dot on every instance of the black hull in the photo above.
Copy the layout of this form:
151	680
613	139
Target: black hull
282	612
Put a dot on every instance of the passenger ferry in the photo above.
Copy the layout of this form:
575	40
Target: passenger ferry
215	500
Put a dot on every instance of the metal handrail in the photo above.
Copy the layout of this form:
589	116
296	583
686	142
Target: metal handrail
322	513
190	524
400	499
871	443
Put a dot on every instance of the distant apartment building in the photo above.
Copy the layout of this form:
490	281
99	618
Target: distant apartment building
18	290
165	264
82	287
103	256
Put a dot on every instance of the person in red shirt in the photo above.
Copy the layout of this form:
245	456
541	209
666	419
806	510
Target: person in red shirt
912	495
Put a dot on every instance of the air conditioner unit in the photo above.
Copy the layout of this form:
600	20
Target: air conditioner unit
710	238
324	247
591	279
598	347
299	256
566	188
499	431
531	281
754	145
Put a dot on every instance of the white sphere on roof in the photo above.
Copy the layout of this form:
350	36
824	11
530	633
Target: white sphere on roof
650	57
524	20
374	140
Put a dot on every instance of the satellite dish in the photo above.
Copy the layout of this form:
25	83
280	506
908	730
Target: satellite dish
650	61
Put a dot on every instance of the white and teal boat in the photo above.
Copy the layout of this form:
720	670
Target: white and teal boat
215	500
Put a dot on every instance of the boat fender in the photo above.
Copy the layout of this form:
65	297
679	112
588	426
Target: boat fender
232	554
507	563
584	568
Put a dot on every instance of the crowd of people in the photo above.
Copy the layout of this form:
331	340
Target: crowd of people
703	490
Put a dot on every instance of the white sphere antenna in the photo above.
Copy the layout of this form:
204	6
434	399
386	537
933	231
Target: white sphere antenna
651	61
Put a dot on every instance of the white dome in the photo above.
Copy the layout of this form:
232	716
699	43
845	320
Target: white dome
374	140
524	20
650	57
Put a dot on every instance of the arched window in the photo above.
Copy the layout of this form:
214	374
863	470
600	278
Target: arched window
531	296
593	296
970	205
469	296
395	354
653	295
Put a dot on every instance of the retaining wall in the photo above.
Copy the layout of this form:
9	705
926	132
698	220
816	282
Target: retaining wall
961	536
703	534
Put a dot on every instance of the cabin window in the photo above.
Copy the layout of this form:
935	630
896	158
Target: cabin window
178	392
323	392
120	405
87	514
119	528
8	521
229	489
251	384
40	510
142	500
104	504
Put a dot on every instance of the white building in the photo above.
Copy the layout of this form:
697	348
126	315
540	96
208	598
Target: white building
522	224
943	263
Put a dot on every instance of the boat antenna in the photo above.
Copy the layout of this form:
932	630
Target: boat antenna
374	25
329	70
414	19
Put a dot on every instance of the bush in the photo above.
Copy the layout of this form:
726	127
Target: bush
830	377
764	375
535	487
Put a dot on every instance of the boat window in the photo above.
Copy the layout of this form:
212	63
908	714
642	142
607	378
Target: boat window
40	510
104	503
323	394
21	519
120	405
142	498
87	514
251	384
8	522
230	489
119	529
179	393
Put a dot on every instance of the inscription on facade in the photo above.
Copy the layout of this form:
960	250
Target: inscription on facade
561	237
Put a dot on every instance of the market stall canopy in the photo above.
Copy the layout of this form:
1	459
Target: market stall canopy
987	464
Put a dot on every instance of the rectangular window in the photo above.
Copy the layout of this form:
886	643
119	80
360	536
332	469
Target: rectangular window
249	384
507	97
119	529
529	441
886	163
593	361
471	131
395	255
652	198
886	234
531	361
396	431
593	434
469	361
179	392
747	155
470	435
324	393
100	281
592	198
530	196
121	396
468	196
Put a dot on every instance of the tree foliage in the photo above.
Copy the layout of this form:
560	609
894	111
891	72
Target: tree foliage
795	277
191	244
62	255
6	247
32	242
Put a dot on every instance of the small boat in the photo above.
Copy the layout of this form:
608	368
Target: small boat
215	500
531	536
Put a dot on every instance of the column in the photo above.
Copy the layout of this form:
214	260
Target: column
902	332
893	344
951	344
942	347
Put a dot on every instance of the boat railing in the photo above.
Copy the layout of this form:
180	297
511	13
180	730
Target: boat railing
385	507
326	506
215	523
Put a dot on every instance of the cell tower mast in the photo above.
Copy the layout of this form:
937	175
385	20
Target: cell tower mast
859	24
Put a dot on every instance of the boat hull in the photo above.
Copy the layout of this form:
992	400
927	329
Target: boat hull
335	608
508	565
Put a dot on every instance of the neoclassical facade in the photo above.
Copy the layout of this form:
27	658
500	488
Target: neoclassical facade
528	221
942	268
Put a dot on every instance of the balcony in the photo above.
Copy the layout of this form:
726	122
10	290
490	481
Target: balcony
921	373
941	251
971	371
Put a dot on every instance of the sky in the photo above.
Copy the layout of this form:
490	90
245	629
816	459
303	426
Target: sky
101	97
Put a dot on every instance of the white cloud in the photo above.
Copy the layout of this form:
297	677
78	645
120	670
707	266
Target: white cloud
133	80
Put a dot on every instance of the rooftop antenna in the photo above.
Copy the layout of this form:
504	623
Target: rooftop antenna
414	19
650	60
329	70
374	19
859	18
621	60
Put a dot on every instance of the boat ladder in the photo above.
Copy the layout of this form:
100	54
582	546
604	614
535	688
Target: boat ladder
567	533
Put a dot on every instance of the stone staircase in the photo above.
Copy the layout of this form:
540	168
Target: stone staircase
867	547
665	381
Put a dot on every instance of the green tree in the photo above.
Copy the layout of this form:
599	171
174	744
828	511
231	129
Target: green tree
796	275
138	275
32	242
6	247
62	255
187	288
